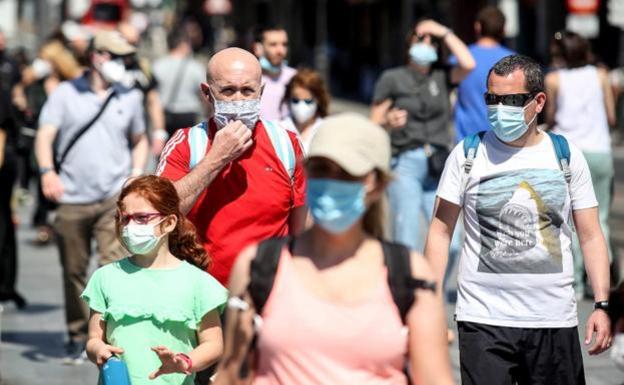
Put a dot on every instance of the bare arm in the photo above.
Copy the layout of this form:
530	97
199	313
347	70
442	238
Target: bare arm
239	328
445	216
50	181
428	346
596	261
157	117
390	118
229	143
140	148
98	350
552	86
609	99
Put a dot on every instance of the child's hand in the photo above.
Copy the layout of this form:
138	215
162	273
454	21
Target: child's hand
170	363
104	352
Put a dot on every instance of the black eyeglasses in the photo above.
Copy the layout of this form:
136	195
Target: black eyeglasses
516	100
297	100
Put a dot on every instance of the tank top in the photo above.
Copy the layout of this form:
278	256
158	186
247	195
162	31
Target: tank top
581	116
305	339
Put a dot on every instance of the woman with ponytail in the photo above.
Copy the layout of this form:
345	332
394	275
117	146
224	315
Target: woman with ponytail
157	310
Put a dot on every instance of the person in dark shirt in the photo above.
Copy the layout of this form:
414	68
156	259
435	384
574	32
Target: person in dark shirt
8	174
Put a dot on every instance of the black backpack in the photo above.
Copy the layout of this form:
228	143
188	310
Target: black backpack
396	257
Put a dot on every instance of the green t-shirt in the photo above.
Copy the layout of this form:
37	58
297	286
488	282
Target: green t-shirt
144	308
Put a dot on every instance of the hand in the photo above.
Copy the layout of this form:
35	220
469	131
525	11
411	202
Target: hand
396	118
430	27
231	141
52	186
169	363
599	324
104	352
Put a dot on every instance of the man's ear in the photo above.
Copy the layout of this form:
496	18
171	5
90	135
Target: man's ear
205	92
258	49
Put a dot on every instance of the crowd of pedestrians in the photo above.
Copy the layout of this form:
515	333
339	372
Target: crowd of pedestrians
334	234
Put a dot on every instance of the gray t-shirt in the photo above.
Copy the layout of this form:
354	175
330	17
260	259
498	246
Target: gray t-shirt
186	74
100	161
425	97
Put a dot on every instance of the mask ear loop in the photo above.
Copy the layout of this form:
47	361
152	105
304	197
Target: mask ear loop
534	116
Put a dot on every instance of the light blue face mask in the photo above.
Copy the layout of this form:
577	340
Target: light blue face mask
423	54
508	122
335	205
140	239
268	67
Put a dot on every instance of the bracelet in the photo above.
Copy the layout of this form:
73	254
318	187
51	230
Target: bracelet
237	303
187	360
160	134
448	32
136	171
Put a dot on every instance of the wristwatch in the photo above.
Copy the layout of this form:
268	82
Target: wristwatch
602	305
43	170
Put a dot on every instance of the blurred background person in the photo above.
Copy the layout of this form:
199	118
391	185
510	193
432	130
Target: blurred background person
8	175
177	76
412	103
581	108
307	98
470	111
271	49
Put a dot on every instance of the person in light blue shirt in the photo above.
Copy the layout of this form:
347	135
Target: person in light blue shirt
470	110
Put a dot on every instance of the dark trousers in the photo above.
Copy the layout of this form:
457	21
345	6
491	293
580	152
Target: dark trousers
75	227
496	355
8	246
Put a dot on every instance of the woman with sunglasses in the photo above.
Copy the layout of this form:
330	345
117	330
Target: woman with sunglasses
307	98
581	107
329	315
156	309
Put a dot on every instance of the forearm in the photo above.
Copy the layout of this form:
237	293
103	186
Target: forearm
437	253
139	153
155	111
205	355
195	182
43	146
460	50
2	144
596	259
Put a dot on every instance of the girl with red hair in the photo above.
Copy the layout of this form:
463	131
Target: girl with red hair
158	310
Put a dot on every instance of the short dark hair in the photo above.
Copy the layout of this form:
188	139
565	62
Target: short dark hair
177	37
261	30
492	22
533	75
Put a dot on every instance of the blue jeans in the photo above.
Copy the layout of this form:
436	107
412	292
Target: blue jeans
412	196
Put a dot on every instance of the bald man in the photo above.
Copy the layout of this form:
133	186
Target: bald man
239	177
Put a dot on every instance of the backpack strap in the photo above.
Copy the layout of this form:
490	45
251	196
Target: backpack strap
263	269
562	150
282	144
402	285
198	141
471	144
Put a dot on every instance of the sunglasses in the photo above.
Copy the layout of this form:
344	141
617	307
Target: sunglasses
515	100
139	218
297	100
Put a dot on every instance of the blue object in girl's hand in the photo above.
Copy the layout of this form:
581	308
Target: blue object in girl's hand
115	372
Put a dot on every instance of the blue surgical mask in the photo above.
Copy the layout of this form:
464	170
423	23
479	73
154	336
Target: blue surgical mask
268	67
335	205
247	111
508	122
140	239
423	54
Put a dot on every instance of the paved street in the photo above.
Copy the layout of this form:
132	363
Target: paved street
32	340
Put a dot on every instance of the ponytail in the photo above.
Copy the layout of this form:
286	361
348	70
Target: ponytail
183	243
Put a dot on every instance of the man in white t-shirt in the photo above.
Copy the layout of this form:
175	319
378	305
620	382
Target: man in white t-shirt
516	308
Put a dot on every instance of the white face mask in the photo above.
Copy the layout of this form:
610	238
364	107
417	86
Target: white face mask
302	111
140	239
113	71
617	351
225	111
41	68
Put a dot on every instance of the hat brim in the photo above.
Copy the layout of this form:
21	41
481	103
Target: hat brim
353	163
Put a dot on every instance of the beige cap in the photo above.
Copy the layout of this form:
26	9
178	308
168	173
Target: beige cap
113	42
353	142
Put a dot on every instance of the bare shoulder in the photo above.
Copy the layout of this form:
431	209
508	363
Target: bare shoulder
239	278
420	267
